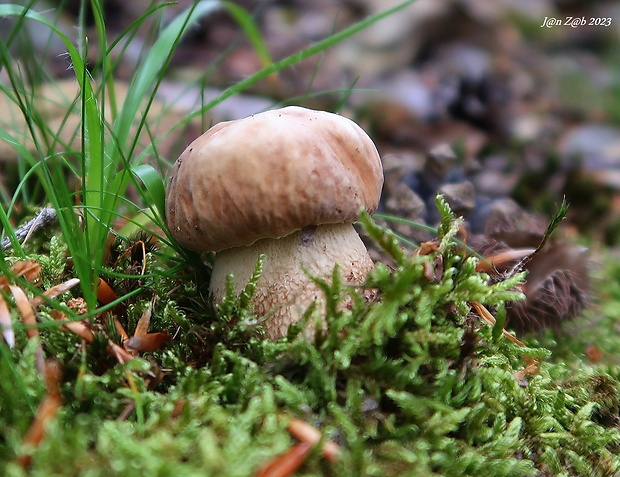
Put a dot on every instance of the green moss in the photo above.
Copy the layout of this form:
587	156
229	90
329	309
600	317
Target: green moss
411	384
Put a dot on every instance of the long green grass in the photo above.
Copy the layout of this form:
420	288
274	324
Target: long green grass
108	163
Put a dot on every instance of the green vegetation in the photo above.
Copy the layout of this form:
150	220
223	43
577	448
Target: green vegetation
413	383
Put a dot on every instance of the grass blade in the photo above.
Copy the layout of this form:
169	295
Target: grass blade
154	189
147	73
247	24
291	60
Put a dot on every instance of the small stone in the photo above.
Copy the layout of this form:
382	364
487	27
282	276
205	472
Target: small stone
461	196
405	203
441	159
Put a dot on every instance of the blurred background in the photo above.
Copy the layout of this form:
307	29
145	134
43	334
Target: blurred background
493	104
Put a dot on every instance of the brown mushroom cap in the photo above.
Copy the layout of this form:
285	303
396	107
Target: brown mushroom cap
270	174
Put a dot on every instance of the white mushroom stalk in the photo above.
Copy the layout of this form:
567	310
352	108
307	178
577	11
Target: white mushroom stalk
285	289
288	184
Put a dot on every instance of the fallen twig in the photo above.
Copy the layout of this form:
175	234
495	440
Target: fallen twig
43	218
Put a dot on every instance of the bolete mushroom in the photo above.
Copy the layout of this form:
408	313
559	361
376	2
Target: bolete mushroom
286	183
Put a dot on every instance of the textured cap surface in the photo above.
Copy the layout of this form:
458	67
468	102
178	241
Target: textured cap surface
270	174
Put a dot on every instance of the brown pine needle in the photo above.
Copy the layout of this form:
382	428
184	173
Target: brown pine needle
54	291
48	408
126	412
310	435
76	327
148	342
532	367
105	294
29	269
286	464
119	353
490	264
490	319
142	340
142	327
120	329
80	329
30	321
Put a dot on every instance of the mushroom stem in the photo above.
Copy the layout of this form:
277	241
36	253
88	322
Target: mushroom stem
284	289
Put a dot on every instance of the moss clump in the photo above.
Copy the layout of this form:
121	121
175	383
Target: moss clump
411	384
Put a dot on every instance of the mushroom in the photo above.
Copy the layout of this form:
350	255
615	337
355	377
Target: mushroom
286	183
